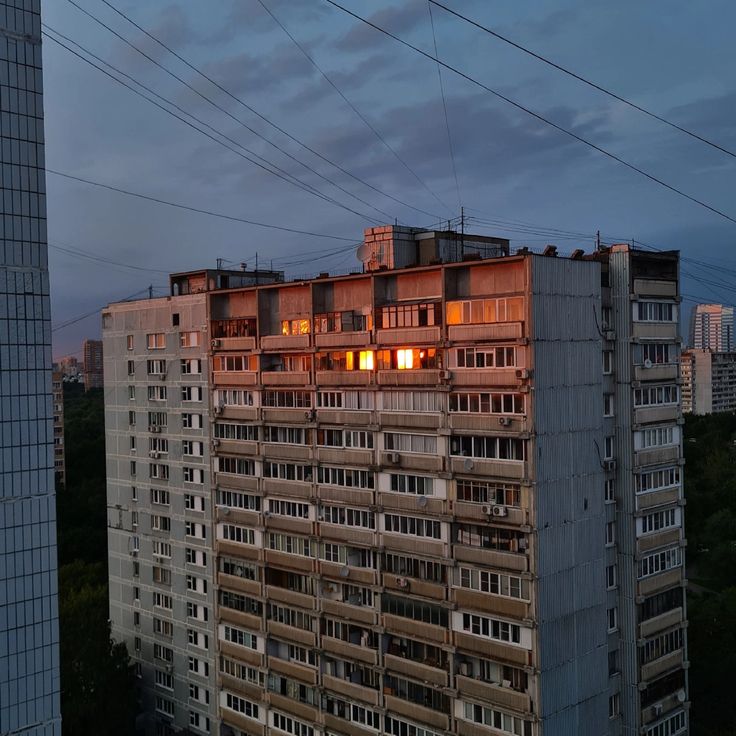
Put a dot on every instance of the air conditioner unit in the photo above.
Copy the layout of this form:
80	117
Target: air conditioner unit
500	511
523	373
504	421
609	465
215	442
657	710
523	544
402	582
217	410
216	343
151	427
648	363
609	335
394	457
310	415
445	375
487	510
157	429
153	453
465	669
225	510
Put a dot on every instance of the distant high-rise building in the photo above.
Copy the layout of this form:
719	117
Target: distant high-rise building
29	625
69	366
708	381
443	496
711	328
93	364
59	450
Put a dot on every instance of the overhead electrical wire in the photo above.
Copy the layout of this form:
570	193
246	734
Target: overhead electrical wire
74	320
444	107
536	115
198	210
90	256
582	79
347	101
242	103
269	167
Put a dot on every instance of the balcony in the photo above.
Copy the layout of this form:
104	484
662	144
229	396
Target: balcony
289	416
427	377
351	651
494	604
309	713
245	344
241	585
483	333
233	549
244	654
344	378
656	456
418	670
671	661
409	336
414	545
414	586
286	378
345	495
410	502
658	372
474	512
293	669
249	620
236	685
344	416
655	583
284	342
276	522
342	533
234	378
410	627
485	377
291	597
360	614
660	623
359	339
344	456
654	330
241	723
504	697
512	469
412	461
341	726
246	413
655	287
409	420
658	539
497	650
289	488
291	633
241	516
491	557
237	482
658	498
650	414
277	451
484	422
336	570
349	689
416	712
284	559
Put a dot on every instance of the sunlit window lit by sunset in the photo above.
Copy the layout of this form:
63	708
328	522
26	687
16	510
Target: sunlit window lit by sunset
349	361
365	360
404	359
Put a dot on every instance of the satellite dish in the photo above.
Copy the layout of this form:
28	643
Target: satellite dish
648	363
468	464
344	571
364	252
681	696
422	501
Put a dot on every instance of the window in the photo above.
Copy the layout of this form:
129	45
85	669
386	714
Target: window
409	315
165	706
156	367
161	549
416	484
238	500
193	529
670	726
498	448
486	581
656	480
287	399
361	518
189	339
288	508
132	443
159	497
656	395
486	357
295	327
193	503
163	600
489	537
129	341
191	393
161	575
197	639
235	465
656	437
136	593
614	705
241	671
656	353
196	585
131	418
131	367
607	405
198	667
660	603
610	533
239	534
199	720
659	562
413	401
413	526
610	490
193	475
613	667
241	705
658	521
501	721
156	470
607	362
409	359
290	544
612	619
163	628
157	393
290	725
191	421
133	493
352	360
287	471
191	366
344	438
489	492
487	403
610	577
158	419
239	637
428	613
131	393
235	363
163	653
655	312
660	646
234	327
156	341
164	679
175	319
287	435
420	443
196	556
491	628
346	477
233	397
160	523
192	448
485	311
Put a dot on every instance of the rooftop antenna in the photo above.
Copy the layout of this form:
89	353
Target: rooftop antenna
150	291
219	264
598	240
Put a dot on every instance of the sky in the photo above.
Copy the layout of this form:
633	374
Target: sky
371	145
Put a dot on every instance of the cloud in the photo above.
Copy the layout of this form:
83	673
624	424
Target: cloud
710	115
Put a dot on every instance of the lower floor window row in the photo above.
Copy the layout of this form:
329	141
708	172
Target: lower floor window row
497	719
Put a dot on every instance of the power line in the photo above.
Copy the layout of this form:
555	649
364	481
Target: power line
274	170
245	105
74	320
360	115
582	79
188	208
536	115
444	107
90	256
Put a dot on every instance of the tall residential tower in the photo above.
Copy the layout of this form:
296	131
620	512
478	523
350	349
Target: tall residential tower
29	629
443	496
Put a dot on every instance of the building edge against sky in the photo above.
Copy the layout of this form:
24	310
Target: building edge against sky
444	497
29	631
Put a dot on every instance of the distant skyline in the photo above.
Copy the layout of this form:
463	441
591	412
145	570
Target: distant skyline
509	166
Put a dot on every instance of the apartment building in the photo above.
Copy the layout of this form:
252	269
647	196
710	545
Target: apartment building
57	390
708	381
711	328
93	364
443	495
29	624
